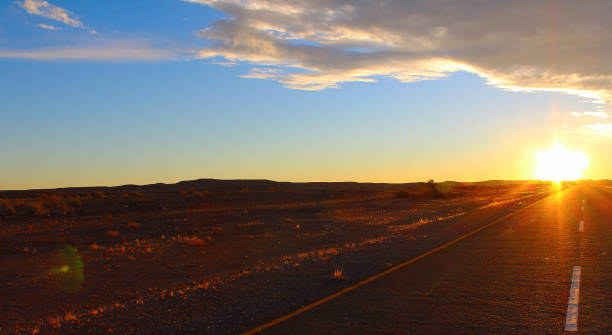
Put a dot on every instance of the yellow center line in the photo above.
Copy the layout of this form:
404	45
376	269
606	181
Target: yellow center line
386	272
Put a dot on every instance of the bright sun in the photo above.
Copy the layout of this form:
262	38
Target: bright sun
559	164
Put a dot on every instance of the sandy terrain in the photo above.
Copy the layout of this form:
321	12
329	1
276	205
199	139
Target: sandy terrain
211	256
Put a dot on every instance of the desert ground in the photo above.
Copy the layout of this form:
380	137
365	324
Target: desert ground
214	256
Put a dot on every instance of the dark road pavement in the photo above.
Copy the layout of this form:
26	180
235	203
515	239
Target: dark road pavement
513	277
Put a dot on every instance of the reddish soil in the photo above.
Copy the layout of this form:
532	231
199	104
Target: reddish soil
212	256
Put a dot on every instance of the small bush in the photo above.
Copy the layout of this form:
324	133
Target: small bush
139	195
194	193
35	208
55	203
133	224
112	233
99	195
6	207
199	195
402	194
74	201
197	242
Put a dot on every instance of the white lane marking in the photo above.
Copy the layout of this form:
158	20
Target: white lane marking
571	320
581	226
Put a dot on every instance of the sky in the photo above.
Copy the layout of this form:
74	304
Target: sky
134	92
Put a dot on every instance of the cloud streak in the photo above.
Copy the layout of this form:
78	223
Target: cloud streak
112	51
49	27
50	11
549	45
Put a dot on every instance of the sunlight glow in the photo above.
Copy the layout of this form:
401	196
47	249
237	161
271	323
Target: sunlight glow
559	164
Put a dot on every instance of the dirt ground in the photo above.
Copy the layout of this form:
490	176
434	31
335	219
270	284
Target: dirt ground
211	256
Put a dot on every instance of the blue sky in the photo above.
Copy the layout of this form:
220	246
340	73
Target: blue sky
164	113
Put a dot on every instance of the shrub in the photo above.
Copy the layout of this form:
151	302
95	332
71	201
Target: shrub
74	201
133	224
197	242
35	208
402	194
112	233
99	195
194	193
55	203
199	195
6	207
139	195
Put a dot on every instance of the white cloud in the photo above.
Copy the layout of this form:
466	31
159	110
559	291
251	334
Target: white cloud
600	127
49	11
548	45
598	114
48	27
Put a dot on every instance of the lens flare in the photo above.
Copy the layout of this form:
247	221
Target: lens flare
68	270
558	164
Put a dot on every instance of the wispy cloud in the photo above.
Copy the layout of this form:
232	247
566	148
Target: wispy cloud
48	27
49	11
601	128
602	115
128	50
597	114
560	46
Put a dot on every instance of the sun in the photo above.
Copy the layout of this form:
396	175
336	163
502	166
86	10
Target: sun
559	164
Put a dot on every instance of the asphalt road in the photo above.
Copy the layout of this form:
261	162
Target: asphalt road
513	277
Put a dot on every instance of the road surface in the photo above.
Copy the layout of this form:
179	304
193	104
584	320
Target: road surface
545	270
